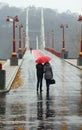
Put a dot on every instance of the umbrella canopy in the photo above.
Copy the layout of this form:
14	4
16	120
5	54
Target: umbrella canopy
43	59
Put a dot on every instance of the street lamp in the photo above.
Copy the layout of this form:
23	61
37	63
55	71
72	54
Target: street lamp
80	20
63	40
79	60
14	19
63	51
13	60
24	41
20	48
48	39
53	39
20	27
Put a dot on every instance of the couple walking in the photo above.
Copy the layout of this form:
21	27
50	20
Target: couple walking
45	70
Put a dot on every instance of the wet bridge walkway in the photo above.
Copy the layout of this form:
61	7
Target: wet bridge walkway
24	109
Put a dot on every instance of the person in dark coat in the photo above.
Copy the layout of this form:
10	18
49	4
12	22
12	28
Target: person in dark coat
39	72
48	74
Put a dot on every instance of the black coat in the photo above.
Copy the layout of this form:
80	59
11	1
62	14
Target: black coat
39	70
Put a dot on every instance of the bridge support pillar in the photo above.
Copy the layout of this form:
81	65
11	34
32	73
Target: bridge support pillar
13	61
2	79
64	54
79	61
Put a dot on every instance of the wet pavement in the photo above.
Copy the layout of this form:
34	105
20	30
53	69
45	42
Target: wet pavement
61	109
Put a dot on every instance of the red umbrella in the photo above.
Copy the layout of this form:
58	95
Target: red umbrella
43	59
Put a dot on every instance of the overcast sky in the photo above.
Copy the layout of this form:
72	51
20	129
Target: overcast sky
75	6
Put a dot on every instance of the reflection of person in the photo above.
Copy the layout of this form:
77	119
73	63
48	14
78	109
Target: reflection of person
47	105
40	111
39	72
40	107
50	111
48	74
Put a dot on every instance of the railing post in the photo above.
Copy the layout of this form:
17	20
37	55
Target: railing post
2	78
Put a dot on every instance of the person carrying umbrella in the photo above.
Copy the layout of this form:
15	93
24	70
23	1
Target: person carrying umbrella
42	69
39	72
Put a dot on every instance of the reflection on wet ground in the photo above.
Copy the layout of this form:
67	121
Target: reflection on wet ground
60	109
45	115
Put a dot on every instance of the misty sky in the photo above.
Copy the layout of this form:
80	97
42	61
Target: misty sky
74	6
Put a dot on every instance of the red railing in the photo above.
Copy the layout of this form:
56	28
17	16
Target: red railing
53	51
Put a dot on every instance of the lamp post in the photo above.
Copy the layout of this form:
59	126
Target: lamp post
80	20
79	61
14	54
24	38
48	39
63	40
14	19
24	41
53	39
20	48
63	51
20	27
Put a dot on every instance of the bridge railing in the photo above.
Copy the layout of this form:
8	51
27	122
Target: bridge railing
58	54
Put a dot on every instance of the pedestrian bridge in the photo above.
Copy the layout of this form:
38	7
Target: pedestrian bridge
25	109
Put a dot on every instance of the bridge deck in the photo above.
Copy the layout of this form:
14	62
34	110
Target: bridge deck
25	109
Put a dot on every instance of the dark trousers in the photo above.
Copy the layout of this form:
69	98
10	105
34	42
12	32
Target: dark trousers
47	84
39	83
